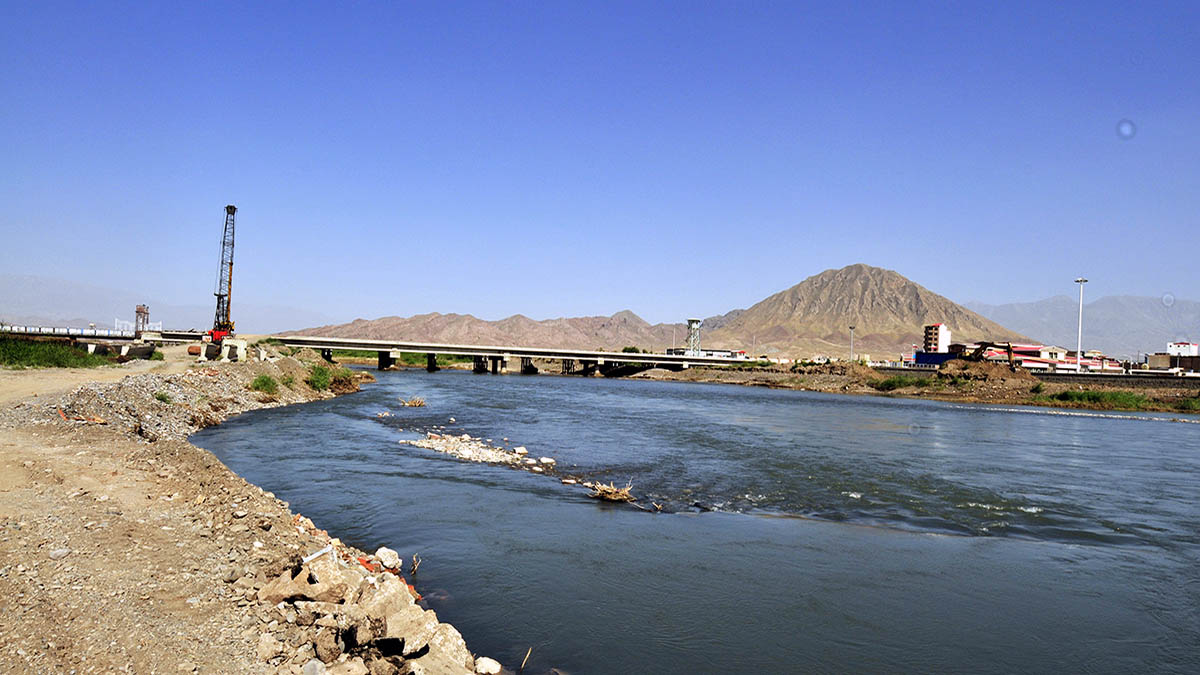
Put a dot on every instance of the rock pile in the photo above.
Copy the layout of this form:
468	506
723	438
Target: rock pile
340	614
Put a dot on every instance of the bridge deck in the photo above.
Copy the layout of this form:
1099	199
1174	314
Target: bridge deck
501	351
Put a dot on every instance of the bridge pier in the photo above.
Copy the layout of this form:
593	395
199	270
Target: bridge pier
527	367
588	368
431	363
327	354
499	364
568	366
386	360
481	365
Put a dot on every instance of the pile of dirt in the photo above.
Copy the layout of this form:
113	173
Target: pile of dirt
984	371
854	372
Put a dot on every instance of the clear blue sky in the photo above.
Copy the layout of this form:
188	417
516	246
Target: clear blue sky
563	158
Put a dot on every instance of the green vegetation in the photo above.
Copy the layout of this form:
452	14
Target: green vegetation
319	377
1188	404
38	354
1126	400
266	384
274	342
157	355
633	350
1038	388
163	396
322	377
287	381
899	382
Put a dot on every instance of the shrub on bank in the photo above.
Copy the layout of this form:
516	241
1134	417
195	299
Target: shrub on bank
163	397
37	354
319	377
288	381
266	384
157	355
899	382
1113	399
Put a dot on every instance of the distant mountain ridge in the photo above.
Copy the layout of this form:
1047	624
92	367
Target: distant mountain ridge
1119	325
810	318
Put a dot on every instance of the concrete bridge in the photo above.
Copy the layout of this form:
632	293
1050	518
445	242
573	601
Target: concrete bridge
496	359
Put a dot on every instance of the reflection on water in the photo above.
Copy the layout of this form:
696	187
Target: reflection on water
1079	549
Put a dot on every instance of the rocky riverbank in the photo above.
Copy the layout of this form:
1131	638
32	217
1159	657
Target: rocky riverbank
123	548
957	381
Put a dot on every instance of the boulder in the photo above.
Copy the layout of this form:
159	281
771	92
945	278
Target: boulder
322	580
389	558
388	597
415	625
327	646
487	666
448	653
313	667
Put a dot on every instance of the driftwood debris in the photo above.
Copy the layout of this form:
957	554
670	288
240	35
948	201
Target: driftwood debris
414	402
612	493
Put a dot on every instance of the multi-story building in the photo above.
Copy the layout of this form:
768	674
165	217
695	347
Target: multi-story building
1183	349
937	338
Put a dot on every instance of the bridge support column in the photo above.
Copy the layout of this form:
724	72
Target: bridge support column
527	367
386	361
431	363
588	368
568	366
327	354
499	364
481	364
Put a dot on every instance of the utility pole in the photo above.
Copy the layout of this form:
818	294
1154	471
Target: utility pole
851	343
1079	338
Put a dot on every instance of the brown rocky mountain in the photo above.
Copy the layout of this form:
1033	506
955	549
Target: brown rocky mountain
807	319
586	332
887	310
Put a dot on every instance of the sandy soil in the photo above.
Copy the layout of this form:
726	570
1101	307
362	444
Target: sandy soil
128	551
16	385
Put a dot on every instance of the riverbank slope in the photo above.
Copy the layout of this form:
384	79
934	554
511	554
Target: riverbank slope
123	548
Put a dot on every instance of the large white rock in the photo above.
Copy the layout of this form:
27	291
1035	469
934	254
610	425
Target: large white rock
520	450
389	558
546	460
487	666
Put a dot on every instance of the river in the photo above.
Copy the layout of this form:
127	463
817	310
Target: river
800	532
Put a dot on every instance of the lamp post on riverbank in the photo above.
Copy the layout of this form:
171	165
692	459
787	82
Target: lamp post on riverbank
851	343
1079	338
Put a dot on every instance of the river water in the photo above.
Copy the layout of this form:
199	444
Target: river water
801	532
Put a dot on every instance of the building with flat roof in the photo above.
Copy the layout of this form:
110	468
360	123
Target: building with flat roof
1183	349
937	338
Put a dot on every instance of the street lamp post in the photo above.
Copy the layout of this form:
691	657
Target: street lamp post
1079	338
852	343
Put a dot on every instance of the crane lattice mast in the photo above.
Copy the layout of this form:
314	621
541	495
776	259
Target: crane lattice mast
222	325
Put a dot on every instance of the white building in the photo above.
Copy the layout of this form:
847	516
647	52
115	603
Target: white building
937	338
1183	349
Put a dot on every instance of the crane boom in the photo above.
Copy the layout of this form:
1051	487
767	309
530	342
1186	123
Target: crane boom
222	325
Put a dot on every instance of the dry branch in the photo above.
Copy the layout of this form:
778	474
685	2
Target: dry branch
612	493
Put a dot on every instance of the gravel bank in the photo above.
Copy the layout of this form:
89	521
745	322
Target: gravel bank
123	548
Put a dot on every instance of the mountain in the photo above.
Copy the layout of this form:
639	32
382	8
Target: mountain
887	310
26	299
588	332
808	319
1120	325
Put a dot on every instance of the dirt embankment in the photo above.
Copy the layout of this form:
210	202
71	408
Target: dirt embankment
123	548
959	381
